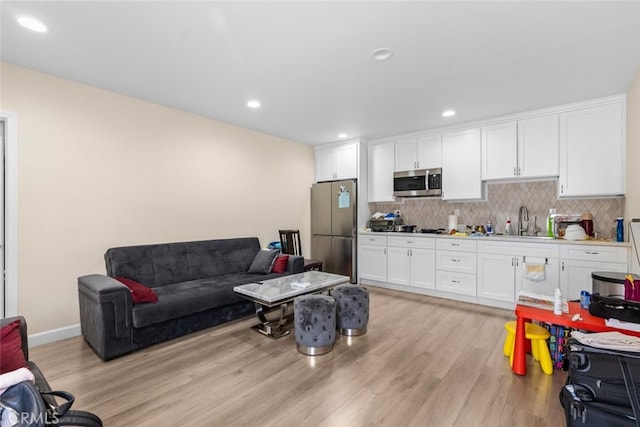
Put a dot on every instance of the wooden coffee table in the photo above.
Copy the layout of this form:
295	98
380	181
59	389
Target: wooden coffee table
281	291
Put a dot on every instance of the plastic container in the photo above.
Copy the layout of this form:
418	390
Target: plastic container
489	228
557	302
550	232
508	228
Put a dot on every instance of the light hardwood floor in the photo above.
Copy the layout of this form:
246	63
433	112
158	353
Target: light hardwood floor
424	362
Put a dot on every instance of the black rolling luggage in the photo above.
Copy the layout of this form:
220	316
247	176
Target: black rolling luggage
600	389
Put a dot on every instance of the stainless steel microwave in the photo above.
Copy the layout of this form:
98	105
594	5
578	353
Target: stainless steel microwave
418	183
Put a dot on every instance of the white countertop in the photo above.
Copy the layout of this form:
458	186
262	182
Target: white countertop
503	238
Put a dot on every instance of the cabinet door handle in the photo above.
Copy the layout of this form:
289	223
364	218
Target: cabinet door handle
562	267
410	252
519	171
385	251
512	262
561	188
515	172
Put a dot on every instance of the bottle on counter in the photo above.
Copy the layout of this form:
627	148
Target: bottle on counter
619	230
508	229
489	228
557	302
550	232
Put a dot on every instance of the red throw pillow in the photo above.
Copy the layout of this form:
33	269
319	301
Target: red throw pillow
11	356
281	264
139	292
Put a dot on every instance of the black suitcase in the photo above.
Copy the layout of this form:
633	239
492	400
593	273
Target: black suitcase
582	413
598	371
600	389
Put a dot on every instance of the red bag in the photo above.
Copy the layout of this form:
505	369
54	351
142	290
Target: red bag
631	288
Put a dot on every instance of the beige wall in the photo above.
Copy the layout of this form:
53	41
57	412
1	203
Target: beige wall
632	205
97	169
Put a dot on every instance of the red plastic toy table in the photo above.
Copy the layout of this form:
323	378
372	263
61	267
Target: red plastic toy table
525	314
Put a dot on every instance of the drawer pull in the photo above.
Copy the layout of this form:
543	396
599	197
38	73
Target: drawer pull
455	281
592	253
455	260
455	244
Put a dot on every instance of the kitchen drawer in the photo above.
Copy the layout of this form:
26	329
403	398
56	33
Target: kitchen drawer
458	283
464	262
375	240
595	253
518	248
412	242
459	244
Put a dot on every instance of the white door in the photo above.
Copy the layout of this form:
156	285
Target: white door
398	265
423	268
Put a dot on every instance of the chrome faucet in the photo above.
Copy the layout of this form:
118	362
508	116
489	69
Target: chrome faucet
523	215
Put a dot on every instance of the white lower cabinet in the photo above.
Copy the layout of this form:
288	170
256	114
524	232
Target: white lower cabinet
456	266
505	268
373	258
411	261
579	261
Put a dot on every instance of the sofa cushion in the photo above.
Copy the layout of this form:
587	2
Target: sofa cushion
280	266
263	261
168	263
181	299
139	292
11	355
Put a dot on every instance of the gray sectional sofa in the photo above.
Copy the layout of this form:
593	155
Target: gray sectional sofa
193	282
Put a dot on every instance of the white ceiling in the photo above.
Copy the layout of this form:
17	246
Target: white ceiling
309	63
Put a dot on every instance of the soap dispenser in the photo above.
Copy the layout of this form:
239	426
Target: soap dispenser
508	229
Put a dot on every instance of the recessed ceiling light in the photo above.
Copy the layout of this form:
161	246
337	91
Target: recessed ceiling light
448	113
342	135
253	104
381	54
32	24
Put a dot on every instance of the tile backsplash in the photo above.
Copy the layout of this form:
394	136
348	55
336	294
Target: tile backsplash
504	200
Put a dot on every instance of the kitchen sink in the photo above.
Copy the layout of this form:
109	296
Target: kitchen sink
504	236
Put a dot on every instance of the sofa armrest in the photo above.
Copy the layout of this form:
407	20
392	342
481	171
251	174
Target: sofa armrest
105	315
295	264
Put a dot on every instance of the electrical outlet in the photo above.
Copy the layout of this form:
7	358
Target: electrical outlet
397	213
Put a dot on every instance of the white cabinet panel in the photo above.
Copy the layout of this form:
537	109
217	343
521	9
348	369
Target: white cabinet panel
405	154
499	151
458	283
538	146
429	151
334	162
380	172
373	262
398	266
461	159
575	275
592	151
423	268
496	277
411	261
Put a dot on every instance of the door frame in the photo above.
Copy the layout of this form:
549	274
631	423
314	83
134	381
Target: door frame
10	214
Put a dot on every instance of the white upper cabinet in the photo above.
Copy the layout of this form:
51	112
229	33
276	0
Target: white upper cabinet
500	151
592	151
526	148
380	172
538	146
335	162
461	172
423	152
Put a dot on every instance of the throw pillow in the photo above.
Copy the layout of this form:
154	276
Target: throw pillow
11	348
263	262
280	266
139	292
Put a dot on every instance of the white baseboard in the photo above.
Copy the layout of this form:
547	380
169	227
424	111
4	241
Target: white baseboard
54	335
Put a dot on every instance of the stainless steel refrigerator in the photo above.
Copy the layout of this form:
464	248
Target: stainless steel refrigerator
333	226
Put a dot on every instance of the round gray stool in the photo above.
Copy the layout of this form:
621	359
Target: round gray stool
315	324
352	309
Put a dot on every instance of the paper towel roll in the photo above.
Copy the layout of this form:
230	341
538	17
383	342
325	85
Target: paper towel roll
453	222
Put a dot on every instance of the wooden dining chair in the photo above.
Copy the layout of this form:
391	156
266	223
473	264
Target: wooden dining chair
290	244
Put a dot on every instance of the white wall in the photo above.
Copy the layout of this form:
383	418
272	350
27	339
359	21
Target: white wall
98	169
